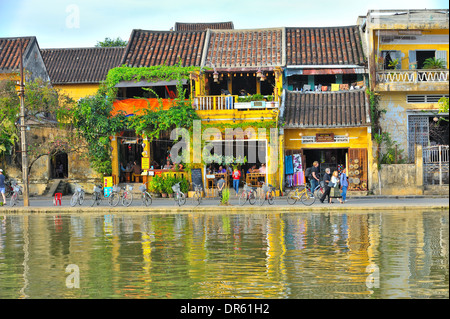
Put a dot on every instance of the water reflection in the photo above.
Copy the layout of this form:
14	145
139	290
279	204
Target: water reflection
314	255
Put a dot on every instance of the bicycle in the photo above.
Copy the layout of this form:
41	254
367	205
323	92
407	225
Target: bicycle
9	189
146	197
127	195
77	197
197	198
319	190
114	197
17	189
268	193
96	196
248	194
305	195
178	195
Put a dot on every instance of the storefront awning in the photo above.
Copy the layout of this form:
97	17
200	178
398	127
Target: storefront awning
137	106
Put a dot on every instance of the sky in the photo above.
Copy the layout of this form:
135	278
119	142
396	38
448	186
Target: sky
82	23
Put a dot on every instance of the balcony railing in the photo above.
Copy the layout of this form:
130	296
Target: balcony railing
229	102
412	76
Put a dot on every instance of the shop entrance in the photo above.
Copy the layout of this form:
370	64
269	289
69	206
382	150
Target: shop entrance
59	166
335	159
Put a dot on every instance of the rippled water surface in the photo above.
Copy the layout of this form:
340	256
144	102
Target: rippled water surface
304	255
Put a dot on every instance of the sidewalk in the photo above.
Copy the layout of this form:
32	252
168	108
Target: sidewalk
167	205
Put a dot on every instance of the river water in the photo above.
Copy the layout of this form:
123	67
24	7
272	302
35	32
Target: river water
214	255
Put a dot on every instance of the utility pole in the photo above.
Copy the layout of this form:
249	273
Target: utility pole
23	138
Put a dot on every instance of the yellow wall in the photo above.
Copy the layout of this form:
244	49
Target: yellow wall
77	91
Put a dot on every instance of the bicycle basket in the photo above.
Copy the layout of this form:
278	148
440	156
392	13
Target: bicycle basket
116	188
79	190
265	188
176	188
97	189
142	188
17	188
129	188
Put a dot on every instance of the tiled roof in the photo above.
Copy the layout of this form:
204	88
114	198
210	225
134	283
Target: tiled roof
81	65
181	26
10	52
230	49
149	48
326	109
324	46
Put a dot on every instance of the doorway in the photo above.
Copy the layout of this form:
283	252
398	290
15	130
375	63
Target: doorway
59	166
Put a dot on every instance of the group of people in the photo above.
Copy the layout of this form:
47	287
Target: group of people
333	182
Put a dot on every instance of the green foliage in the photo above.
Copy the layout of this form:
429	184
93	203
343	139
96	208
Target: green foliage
108	42
443	106
375	112
255	97
225	196
392	154
433	63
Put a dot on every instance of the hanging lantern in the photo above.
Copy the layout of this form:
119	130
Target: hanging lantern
259	73
216	76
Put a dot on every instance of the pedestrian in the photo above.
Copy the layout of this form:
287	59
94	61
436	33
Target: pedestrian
220	186
236	177
334	184
314	178
326	179
2	186
344	184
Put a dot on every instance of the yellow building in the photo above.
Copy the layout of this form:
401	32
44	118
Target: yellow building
326	110
398	44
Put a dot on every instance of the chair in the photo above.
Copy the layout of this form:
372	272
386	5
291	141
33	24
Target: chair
57	199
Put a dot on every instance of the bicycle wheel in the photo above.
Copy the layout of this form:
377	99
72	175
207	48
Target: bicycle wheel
243	198
13	199
196	199
291	197
146	199
81	198
94	199
318	192
127	199
307	198
74	200
252	198
181	199
270	198
114	199
261	199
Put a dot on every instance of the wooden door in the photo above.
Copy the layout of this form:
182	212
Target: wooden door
357	169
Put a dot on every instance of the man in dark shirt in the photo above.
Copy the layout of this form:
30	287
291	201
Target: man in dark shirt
314	179
326	179
2	185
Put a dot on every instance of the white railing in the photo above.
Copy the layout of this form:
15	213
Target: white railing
412	76
435	154
229	102
436	164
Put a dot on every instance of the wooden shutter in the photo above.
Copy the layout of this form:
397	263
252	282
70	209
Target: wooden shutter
412	58
442	55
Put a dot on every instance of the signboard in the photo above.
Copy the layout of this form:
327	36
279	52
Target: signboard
196	175
325	138
145	163
108	181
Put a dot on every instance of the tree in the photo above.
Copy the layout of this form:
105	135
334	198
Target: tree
45	107
108	42
443	106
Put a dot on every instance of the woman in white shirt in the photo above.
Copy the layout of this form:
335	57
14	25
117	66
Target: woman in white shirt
335	181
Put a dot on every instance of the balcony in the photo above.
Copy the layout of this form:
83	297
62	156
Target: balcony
230	102
412	80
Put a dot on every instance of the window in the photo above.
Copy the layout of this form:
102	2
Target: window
419	98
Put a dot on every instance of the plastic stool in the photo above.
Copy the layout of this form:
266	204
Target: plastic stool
57	199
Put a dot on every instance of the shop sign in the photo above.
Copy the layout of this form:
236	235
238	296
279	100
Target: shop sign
145	163
325	138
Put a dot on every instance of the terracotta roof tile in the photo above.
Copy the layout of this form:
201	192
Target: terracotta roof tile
182	26
10	52
149	48
81	65
228	49
324	46
326	109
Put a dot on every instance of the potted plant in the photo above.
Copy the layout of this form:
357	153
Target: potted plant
155	186
433	63
169	181
225	201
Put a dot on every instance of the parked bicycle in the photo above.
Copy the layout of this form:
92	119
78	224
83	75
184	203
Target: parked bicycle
17	190
268	193
197	198
127	195
178	195
305	196
319	190
146	197
248	194
78	196
97	195
9	188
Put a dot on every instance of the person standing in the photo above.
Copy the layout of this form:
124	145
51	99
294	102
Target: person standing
236	177
335	187
2	186
344	185
326	179
314	179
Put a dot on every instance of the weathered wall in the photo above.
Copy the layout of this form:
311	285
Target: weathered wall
400	179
